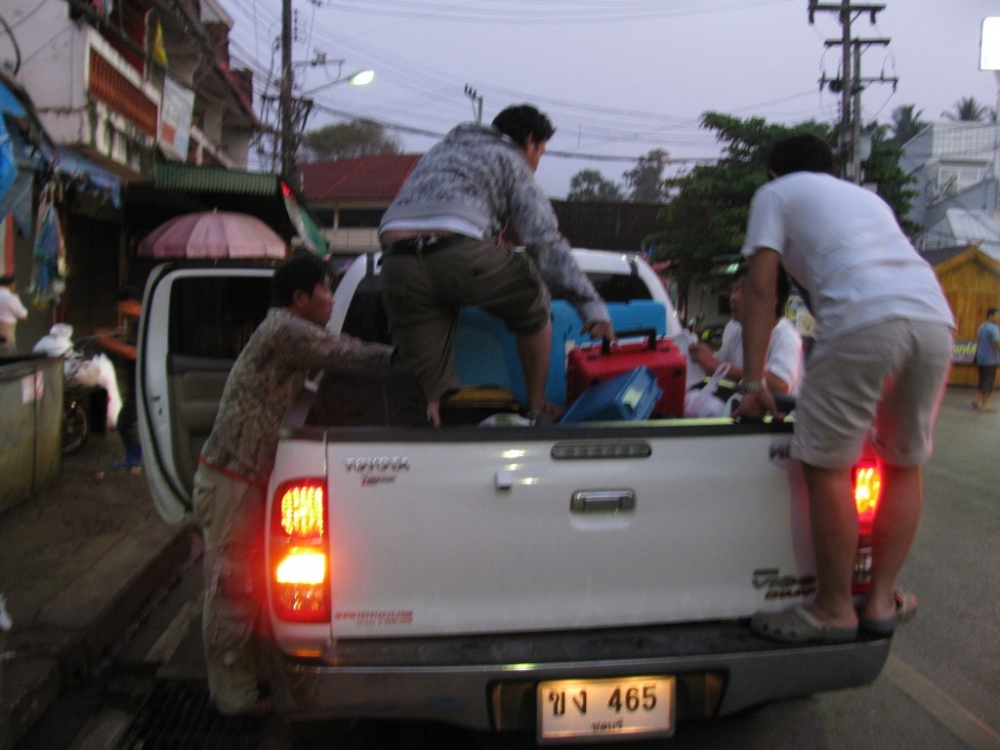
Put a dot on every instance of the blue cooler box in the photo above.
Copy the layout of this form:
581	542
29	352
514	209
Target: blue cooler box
486	352
629	396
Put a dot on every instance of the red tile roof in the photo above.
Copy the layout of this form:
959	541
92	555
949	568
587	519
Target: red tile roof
365	178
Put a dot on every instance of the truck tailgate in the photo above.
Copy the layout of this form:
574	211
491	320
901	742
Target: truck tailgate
556	533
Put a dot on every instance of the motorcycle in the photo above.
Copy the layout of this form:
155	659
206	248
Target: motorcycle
86	372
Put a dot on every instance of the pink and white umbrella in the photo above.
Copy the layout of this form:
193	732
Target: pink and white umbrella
214	234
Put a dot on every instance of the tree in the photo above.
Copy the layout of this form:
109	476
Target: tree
708	215
348	140
892	183
906	123
967	109
591	185
645	180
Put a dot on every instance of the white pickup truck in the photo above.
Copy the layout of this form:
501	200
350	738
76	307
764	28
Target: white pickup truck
588	581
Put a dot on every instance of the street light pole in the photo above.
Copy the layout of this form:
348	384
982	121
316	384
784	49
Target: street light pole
293	111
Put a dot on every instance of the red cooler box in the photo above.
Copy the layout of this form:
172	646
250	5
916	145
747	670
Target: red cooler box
586	366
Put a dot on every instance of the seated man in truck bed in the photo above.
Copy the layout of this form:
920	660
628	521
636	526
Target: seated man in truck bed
783	363
236	461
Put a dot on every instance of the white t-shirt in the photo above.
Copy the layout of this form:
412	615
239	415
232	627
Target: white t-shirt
11	308
843	246
784	357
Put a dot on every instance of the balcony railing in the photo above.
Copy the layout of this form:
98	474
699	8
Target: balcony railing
120	95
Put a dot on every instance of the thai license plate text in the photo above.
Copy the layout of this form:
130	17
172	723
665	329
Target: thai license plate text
593	709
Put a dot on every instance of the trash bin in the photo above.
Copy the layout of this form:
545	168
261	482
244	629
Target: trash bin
31	394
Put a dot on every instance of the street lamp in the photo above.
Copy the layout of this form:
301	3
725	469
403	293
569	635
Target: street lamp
361	78
295	115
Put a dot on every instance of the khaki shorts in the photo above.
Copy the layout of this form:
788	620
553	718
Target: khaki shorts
891	377
423	293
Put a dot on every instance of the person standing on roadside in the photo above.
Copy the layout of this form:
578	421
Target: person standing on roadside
987	359
442	249
236	461
11	311
882	352
121	345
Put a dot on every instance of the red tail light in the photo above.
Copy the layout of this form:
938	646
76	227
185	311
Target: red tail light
299	561
867	486
867	483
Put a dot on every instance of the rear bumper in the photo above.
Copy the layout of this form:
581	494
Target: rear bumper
488	682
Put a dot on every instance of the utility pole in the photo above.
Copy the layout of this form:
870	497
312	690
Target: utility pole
287	134
850	84
477	102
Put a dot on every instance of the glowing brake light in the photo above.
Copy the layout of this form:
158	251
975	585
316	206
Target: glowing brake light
302	510
301	566
867	484
299	561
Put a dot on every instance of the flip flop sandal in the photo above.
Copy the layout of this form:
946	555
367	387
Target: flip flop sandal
906	608
799	625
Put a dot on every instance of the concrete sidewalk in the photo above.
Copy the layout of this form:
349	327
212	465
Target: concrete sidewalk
78	563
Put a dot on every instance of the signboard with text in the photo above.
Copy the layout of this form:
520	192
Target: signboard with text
176	109
963	352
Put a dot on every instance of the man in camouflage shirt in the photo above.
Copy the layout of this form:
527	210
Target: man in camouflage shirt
442	245
236	461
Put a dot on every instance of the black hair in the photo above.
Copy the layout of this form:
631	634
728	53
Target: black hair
992	311
129	294
521	120
801	153
303	271
6	280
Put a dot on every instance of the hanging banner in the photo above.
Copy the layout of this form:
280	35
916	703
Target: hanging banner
7	245
176	109
8	167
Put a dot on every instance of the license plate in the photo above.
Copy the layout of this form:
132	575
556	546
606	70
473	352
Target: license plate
605	709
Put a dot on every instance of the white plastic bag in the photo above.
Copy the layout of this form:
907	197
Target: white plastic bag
57	342
702	402
695	372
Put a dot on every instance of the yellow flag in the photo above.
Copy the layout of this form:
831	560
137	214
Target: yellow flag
159	51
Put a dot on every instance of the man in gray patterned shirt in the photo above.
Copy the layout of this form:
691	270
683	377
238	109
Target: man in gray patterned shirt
236	461
441	238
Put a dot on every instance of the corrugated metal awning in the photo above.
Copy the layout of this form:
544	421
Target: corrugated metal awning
191	177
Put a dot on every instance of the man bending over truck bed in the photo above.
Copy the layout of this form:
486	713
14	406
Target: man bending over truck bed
881	355
232	475
441	238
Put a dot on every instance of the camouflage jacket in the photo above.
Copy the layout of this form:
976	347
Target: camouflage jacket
268	374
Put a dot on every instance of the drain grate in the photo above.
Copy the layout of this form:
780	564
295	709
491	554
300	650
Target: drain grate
177	715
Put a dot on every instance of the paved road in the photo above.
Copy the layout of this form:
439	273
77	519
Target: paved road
940	689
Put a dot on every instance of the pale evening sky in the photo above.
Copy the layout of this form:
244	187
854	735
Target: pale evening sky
617	78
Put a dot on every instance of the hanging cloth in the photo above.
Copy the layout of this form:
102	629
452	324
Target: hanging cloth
48	274
8	167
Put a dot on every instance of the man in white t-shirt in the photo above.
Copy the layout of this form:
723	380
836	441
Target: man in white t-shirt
882	351
783	364
11	311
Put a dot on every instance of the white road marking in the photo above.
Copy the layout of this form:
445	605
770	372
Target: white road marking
965	725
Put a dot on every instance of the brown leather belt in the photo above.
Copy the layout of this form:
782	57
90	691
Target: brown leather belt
424	244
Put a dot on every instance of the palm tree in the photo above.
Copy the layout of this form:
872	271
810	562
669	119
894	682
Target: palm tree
906	123
967	109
